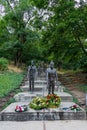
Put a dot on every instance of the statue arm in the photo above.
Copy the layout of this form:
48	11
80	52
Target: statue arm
47	74
47	77
35	69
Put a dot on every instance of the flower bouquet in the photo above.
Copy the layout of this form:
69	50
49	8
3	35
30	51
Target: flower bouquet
75	108
38	103
53	100
50	101
21	108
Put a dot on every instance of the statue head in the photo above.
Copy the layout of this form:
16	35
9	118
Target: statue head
32	62
51	64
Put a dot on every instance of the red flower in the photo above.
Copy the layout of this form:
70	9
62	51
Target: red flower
74	106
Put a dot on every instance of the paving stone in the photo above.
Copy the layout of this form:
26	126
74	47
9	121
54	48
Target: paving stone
44	125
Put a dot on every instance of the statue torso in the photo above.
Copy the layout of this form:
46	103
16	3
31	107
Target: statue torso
51	74
32	71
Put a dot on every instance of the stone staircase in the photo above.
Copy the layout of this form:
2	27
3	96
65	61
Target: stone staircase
25	97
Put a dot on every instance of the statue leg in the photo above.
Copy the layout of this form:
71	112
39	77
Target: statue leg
49	88
30	84
53	87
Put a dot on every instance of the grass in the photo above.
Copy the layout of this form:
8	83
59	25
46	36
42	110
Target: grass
9	81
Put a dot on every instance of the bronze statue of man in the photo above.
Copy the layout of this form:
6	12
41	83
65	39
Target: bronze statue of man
51	77
31	75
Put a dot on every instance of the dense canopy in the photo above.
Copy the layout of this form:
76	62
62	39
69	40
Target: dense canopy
44	30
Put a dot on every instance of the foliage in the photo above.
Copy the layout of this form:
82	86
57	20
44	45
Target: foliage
64	36
19	30
45	30
3	64
9	81
83	63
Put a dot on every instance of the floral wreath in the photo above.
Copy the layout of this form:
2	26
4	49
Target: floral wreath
53	100
50	101
21	108
37	103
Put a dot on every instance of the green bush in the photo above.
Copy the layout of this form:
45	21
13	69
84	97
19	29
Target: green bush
3	64
83	64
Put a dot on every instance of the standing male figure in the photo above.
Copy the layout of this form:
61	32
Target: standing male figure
51	77
31	75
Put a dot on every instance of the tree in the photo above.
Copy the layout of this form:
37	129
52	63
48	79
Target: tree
65	32
18	26
48	30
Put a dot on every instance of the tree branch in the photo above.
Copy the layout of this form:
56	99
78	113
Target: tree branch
10	5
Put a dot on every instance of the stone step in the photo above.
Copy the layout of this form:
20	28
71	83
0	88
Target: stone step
40	87
36	87
41	78
9	114
37	82
27	96
40	82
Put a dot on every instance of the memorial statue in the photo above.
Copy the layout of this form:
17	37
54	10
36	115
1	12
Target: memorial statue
39	70
31	75
51	78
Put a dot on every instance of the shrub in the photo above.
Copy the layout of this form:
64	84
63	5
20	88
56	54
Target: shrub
3	64
83	64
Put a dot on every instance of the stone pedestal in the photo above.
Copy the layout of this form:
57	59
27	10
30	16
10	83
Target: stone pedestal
9	114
